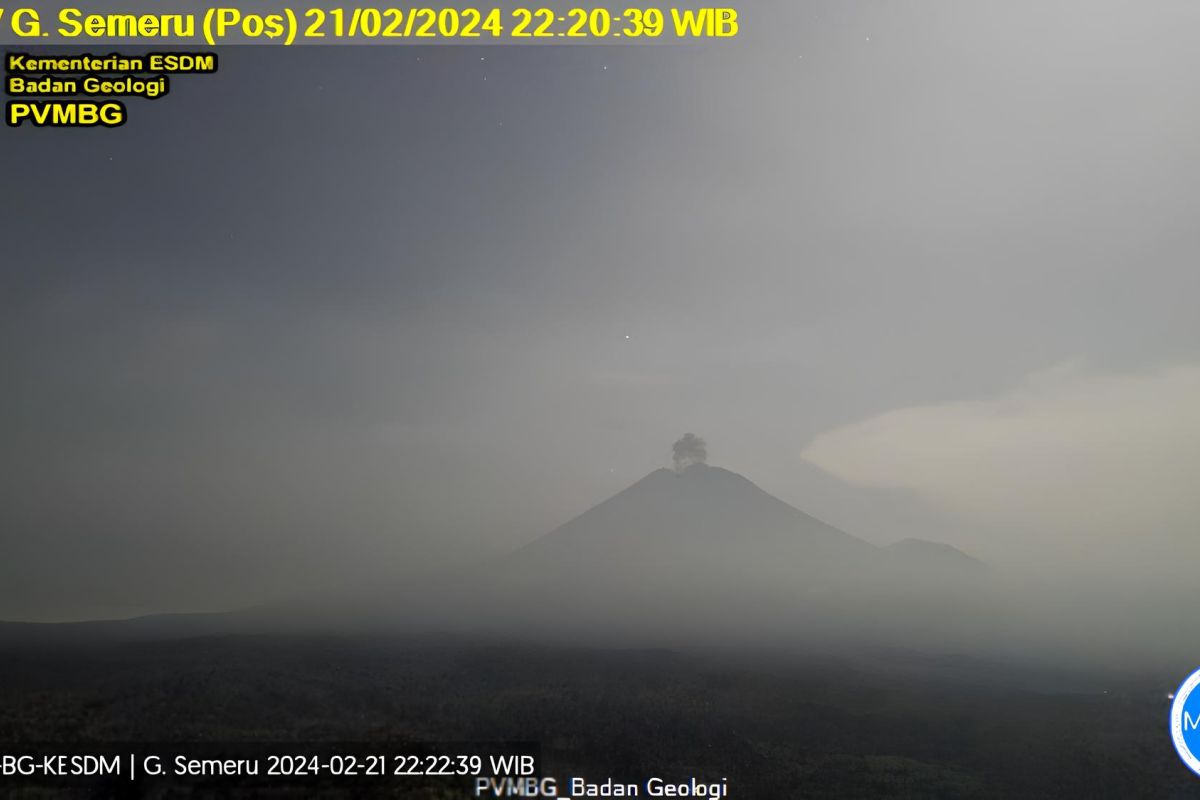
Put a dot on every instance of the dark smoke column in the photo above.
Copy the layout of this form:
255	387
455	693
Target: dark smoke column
690	449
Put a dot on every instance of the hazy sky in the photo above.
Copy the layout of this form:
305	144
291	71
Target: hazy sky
917	268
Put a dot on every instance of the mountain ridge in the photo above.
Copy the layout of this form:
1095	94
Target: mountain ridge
707	506
695	547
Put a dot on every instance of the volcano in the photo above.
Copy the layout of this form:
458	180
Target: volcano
710	523
694	552
705	545
701	523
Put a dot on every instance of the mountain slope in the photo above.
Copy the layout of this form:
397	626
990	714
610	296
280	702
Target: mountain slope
923	554
701	523
695	552
705	551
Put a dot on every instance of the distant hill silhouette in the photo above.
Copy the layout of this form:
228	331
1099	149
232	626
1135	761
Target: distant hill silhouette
695	551
705	550
709	523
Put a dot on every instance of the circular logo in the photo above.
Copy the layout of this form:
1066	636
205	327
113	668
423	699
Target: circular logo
1185	722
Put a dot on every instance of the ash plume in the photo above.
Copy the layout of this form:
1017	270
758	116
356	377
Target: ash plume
690	449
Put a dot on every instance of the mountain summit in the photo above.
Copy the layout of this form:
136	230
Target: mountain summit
701	545
700	522
690	553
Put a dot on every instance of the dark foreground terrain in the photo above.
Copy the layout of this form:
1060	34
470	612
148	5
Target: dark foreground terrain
881	725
